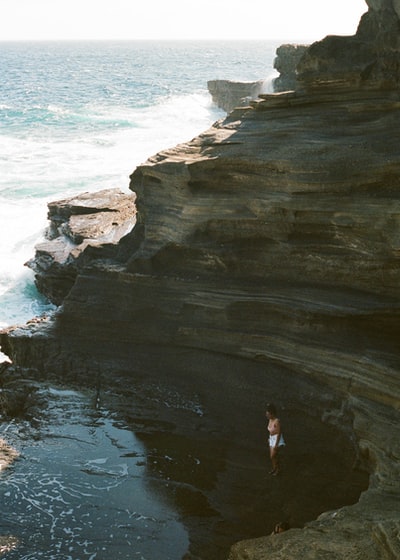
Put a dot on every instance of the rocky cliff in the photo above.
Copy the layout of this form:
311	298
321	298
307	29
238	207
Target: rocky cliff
265	264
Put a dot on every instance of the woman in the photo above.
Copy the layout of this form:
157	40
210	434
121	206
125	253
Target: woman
281	527
275	438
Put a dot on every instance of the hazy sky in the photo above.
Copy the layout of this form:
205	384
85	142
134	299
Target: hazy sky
178	19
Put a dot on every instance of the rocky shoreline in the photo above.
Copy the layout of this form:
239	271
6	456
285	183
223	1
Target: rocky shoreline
215	476
263	265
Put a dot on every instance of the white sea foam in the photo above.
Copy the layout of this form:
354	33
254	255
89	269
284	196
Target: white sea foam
268	82
22	223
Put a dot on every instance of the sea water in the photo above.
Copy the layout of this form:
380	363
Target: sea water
78	489
80	116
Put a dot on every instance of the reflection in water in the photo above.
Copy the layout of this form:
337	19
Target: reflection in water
7	454
8	543
78	491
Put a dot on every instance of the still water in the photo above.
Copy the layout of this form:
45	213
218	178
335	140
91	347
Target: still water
78	491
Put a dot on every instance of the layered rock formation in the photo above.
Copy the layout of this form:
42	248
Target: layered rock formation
79	228
265	264
367	59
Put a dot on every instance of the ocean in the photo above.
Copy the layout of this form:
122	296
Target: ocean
80	116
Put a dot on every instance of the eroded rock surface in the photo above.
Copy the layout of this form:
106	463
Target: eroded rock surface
7	454
265	265
370	58
286	62
345	533
78	226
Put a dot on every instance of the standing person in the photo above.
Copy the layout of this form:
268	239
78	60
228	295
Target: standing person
281	527
275	437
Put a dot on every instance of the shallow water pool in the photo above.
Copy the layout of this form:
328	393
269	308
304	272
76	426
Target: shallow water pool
77	490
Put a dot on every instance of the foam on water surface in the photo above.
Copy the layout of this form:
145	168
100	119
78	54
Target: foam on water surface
78	489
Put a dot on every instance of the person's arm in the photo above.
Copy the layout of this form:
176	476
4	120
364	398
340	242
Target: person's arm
278	432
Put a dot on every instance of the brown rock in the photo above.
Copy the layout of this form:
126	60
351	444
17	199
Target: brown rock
369	59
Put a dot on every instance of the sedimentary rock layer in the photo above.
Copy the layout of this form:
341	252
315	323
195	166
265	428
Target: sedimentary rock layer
79	228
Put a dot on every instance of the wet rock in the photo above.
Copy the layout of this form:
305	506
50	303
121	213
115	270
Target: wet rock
19	398
7	543
7	455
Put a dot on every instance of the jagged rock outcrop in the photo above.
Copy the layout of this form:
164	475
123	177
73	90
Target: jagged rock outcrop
266	261
228	94
79	227
286	62
368	530
370	58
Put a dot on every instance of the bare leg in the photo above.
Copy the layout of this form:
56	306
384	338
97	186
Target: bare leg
273	451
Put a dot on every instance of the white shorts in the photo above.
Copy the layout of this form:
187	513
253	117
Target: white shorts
272	440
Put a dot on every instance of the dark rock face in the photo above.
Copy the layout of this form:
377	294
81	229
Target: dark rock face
286	62
265	266
368	59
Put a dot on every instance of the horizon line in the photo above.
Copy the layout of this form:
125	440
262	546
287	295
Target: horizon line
165	39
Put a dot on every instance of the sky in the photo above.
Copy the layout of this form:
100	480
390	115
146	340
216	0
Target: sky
178	19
